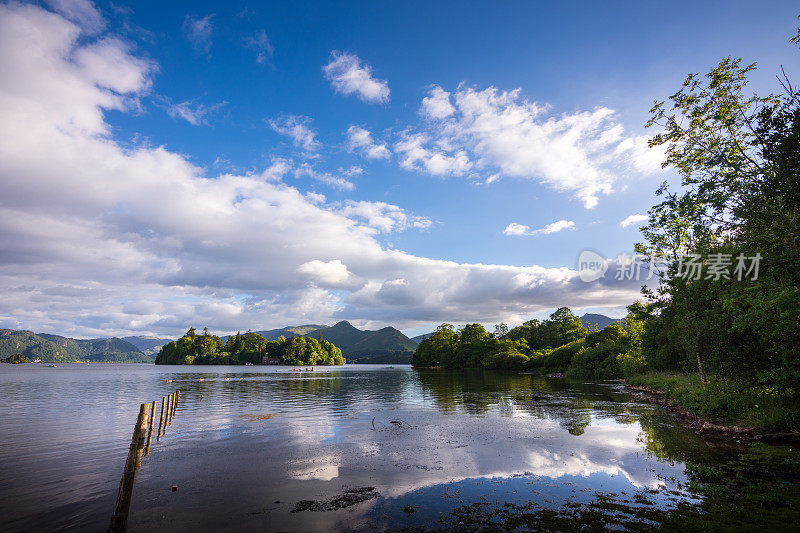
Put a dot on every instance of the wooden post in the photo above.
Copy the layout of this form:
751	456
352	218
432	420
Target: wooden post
150	427
119	520
166	415
161	418
171	407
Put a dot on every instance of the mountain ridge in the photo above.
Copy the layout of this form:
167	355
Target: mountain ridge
51	348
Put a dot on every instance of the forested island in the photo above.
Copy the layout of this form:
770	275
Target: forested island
720	333
248	348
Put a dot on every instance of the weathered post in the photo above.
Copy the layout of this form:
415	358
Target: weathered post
166	416
119	519
171	407
150	427
161	418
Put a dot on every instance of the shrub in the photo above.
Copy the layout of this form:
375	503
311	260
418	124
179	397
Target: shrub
596	362
559	359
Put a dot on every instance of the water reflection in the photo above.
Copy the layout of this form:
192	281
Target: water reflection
248	437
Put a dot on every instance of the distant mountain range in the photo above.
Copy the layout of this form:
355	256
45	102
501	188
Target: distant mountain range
385	345
57	349
146	344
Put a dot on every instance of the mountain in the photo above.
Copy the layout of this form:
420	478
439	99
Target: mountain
147	344
288	332
291	331
58	349
419	338
599	321
386	345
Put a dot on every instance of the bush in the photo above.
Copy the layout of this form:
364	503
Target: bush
596	362
507	359
559	359
632	362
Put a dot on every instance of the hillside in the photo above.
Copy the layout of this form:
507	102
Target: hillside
386	345
600	321
419	338
291	331
146	344
58	349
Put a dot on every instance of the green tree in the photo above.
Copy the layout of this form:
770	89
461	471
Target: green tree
737	157
439	346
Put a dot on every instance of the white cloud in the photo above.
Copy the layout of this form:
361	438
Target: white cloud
198	32
81	12
503	134
152	244
416	153
554	227
298	129
348	76
437	105
633	219
332	273
517	229
193	113
260	43
383	217
337	181
360	139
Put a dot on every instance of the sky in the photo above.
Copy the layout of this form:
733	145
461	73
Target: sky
247	165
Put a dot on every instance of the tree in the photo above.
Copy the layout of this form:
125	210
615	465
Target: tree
739	163
562	328
436	349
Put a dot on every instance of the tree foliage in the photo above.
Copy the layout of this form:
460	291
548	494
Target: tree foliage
738	157
248	348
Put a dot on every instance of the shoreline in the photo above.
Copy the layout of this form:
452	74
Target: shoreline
704	426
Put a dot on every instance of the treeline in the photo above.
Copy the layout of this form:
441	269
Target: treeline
247	348
560	344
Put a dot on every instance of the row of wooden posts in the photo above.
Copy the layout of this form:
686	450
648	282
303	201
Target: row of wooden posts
140	446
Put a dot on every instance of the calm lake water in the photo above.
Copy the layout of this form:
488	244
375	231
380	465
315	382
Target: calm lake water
248	443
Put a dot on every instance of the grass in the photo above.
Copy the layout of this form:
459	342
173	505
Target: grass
760	409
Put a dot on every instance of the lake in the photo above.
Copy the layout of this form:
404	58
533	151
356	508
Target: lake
340	448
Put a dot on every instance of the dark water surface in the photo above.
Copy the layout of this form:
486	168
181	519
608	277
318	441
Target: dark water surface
248	443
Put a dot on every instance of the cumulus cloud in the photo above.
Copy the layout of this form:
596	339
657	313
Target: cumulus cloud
417	153
349	76
360	140
192	112
198	32
437	105
554	227
151	243
326	273
500	133
261	45
298	129
633	219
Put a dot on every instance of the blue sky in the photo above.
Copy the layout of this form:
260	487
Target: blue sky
219	86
